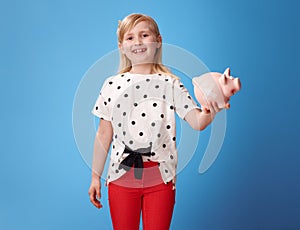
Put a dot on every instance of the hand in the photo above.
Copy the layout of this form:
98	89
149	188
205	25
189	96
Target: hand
94	193
212	108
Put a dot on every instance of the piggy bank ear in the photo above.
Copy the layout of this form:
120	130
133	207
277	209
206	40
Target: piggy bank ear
227	72
223	79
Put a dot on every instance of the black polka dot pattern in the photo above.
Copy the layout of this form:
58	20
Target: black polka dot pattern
141	108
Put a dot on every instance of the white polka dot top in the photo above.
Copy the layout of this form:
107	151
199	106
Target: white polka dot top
142	110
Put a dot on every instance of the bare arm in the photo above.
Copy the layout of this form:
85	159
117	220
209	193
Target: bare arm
200	119
102	143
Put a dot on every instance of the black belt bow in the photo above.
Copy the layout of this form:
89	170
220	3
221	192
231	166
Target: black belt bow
134	159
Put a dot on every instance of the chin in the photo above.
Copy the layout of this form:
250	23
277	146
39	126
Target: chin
144	60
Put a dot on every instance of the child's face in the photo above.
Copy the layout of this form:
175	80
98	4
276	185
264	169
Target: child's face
140	44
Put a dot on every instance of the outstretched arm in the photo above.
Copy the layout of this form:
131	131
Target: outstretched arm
102	143
200	119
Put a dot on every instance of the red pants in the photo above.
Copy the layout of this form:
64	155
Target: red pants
128	197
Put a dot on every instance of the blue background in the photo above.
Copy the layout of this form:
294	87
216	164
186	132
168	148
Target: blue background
47	46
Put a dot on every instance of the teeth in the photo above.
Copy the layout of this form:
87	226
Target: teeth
139	51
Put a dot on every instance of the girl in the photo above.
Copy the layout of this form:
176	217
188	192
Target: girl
136	110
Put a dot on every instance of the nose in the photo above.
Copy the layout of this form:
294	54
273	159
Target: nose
238	84
138	41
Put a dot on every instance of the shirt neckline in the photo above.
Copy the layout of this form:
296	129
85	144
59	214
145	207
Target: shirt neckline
141	74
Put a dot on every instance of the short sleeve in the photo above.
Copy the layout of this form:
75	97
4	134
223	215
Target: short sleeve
183	101
103	105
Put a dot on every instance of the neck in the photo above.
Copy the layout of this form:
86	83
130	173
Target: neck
142	69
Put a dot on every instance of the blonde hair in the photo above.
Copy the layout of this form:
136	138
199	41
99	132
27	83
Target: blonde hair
127	24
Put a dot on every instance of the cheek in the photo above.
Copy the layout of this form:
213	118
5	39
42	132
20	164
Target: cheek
125	48
152	45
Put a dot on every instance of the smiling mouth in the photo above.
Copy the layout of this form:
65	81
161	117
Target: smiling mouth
136	51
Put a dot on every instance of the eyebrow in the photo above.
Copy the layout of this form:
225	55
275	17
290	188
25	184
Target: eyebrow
143	31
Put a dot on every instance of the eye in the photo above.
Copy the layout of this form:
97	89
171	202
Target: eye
129	38
145	35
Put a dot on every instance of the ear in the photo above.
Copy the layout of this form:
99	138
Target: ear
227	72
120	47
223	79
159	41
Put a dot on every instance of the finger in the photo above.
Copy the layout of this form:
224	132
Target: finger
93	198
96	203
215	107
98	193
205	109
210	108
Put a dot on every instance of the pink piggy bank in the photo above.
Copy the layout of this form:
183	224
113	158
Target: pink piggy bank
214	86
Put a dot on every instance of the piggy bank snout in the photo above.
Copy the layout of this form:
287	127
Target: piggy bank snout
232	87
237	84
